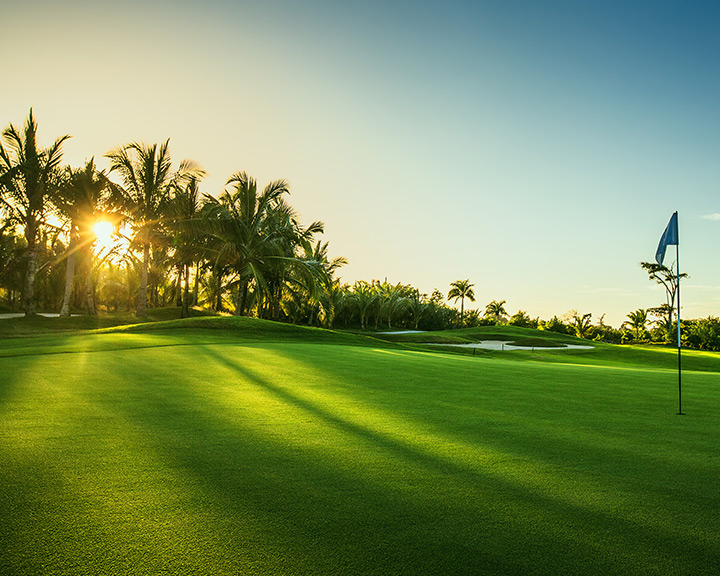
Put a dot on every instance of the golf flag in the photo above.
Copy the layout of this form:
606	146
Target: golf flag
669	238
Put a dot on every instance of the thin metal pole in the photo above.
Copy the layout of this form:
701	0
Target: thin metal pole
678	330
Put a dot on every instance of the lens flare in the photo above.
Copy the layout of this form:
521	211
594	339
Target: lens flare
103	231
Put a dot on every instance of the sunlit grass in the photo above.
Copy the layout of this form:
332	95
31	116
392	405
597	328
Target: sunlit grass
214	454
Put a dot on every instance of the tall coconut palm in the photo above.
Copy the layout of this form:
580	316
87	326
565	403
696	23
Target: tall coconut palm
147	182
461	289
240	221
188	236
301	270
82	198
26	180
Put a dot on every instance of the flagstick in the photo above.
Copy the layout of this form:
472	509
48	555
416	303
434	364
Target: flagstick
680	412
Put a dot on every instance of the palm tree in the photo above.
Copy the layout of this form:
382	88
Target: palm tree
496	310
581	324
393	299
26	181
244	240
332	302
365	296
461	289
417	304
321	284
81	198
188	237
670	281
637	322
12	247
147	183
302	270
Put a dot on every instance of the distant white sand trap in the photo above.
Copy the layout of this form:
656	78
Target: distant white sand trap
402	332
504	345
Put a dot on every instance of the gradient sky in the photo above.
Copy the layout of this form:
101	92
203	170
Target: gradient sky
536	148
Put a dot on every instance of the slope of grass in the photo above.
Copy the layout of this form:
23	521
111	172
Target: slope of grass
188	331
249	448
13	327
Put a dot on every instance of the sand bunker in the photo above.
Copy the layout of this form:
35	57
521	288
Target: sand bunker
503	345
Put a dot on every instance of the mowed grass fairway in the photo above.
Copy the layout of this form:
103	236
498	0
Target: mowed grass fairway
260	449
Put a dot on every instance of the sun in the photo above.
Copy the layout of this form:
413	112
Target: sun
104	233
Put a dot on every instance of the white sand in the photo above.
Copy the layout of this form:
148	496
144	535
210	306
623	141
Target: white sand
504	345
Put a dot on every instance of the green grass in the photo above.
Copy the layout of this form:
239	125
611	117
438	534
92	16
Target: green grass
232	446
12	327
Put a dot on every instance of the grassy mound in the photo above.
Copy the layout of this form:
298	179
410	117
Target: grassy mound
10	327
181	332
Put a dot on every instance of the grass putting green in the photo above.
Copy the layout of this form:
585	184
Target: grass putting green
231	446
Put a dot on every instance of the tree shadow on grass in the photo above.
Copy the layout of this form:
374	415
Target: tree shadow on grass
539	416
474	482
256	500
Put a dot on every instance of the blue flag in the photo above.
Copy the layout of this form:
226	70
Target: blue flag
669	238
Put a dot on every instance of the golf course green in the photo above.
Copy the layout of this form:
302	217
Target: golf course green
240	446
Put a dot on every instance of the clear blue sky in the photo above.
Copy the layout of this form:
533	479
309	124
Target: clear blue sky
536	148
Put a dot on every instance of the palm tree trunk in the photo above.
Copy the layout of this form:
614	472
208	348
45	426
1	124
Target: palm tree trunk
179	286
276	302
242	298
218	298
185	312
29	296
196	283
141	311
69	274
89	285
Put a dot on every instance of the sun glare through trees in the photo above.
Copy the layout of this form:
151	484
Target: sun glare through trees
104	233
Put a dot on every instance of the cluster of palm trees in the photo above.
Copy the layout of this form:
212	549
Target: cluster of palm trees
27	175
245	250
382	305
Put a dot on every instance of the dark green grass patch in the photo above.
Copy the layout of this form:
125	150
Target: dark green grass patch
420	337
293	457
